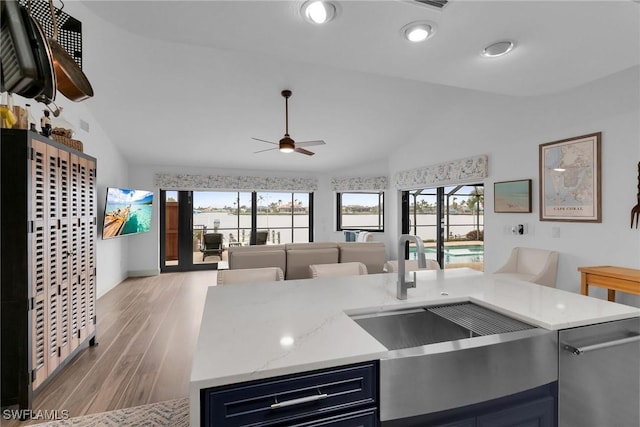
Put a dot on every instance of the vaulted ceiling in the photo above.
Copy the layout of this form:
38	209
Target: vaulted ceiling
188	83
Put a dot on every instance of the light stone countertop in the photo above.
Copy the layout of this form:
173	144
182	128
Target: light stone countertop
265	330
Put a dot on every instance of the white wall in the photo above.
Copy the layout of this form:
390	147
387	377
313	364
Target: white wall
510	130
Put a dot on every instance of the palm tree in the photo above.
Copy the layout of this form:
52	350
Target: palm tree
476	203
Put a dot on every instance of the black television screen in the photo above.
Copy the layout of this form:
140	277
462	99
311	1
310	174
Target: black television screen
127	212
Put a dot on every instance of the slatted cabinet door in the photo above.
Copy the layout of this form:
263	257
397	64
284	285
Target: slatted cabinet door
90	239
64	272
38	247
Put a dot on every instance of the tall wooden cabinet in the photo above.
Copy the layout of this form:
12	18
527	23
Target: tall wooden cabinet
48	267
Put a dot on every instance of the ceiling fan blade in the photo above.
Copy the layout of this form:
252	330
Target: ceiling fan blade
310	143
268	142
303	151
262	151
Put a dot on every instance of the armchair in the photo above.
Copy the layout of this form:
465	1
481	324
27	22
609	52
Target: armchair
533	265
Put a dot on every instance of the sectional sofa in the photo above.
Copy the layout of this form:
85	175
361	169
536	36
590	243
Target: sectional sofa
295	258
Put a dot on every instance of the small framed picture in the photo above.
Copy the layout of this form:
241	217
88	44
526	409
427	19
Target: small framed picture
512	196
570	179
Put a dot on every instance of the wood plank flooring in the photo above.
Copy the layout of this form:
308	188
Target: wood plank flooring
146	331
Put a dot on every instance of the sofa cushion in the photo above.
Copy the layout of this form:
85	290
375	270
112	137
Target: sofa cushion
257	257
299	260
371	254
312	245
249	275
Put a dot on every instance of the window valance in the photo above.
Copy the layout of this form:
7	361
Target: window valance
173	181
455	172
360	183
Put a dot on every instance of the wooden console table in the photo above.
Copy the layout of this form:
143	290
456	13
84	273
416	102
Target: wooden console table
611	278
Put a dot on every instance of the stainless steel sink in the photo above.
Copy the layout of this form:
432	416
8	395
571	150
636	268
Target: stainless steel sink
444	357
428	325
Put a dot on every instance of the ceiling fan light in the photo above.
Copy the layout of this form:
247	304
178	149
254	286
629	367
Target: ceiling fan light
286	145
318	12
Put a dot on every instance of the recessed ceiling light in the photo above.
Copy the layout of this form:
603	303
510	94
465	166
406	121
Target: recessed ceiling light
498	49
418	31
319	12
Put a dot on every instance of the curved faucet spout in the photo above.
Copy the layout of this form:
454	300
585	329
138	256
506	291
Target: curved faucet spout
403	284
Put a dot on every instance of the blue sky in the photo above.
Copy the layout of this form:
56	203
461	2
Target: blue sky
126	196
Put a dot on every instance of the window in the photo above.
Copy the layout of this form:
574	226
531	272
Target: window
361	211
286	216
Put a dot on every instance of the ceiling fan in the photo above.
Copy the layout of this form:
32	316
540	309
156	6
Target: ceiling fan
287	144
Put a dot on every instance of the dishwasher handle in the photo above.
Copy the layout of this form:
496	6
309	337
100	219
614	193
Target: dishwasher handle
580	350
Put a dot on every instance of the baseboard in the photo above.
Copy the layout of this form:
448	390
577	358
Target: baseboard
143	273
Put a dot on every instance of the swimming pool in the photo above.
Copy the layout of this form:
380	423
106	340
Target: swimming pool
454	253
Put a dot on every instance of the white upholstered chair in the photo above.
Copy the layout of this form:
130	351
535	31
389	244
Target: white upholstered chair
412	265
249	275
338	269
533	265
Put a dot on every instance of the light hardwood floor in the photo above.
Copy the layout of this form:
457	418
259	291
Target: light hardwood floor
146	331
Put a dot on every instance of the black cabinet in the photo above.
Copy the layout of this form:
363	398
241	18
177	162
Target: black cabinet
537	413
531	408
48	286
344	396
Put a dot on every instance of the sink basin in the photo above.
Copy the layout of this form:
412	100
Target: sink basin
446	357
428	325
411	328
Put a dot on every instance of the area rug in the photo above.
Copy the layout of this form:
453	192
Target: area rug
174	413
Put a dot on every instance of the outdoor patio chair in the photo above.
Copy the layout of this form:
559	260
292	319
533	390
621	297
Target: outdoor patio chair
261	237
211	245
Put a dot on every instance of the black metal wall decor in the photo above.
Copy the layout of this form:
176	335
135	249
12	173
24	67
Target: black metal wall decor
69	28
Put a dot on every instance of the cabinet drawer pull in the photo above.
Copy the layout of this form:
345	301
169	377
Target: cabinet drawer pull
581	350
299	401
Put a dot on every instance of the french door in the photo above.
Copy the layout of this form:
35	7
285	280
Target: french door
181	243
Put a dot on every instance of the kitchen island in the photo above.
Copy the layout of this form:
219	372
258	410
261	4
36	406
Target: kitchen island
267	330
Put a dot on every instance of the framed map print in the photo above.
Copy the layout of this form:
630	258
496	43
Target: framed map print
570	179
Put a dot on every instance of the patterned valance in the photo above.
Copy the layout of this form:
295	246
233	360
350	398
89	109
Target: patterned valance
456	172
360	183
173	181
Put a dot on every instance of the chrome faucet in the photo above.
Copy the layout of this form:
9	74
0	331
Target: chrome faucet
403	284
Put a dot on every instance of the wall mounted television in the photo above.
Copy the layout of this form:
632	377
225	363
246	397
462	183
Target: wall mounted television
127	212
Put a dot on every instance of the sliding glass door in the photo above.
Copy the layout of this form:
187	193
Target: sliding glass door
450	221
198	226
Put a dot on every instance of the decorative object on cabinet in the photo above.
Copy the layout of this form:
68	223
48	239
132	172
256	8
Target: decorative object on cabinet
48	287
570	180
512	196
635	211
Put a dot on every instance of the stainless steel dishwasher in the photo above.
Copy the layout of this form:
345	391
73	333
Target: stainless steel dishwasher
599	375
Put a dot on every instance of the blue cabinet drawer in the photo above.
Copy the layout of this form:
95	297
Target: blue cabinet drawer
285	400
364	418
